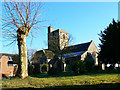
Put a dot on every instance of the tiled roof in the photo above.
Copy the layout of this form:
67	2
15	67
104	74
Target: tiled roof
48	53
11	57
7	55
73	54
77	48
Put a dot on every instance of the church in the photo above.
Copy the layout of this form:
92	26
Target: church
59	50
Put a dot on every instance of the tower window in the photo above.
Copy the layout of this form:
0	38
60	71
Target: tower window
63	36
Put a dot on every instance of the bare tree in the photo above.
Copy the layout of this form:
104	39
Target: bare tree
18	20
30	54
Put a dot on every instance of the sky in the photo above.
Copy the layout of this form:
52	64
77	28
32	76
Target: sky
82	20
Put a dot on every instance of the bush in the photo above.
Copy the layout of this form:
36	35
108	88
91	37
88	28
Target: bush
77	66
53	71
30	69
80	66
89	64
36	69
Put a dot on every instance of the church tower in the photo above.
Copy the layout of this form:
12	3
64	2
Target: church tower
57	39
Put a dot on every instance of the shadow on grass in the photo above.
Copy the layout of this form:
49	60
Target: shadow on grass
93	87
66	74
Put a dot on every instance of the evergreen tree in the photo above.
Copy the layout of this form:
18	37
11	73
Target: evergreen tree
110	43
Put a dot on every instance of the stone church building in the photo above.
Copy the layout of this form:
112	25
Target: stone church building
59	49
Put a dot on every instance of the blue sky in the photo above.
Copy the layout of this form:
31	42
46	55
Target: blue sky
83	20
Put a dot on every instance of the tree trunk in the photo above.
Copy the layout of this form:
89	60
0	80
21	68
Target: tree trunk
23	61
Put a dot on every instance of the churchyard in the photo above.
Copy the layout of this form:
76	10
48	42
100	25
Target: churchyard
65	80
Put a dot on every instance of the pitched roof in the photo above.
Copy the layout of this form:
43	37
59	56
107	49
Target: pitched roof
47	53
68	55
7	54
8	57
77	48
11	57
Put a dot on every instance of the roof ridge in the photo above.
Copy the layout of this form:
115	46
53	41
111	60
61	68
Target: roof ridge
80	44
7	54
78	47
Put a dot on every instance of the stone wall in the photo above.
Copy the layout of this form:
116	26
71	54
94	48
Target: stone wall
57	38
94	52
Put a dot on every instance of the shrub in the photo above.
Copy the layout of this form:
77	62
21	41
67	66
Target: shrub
30	69
89	64
53	71
77	66
36	69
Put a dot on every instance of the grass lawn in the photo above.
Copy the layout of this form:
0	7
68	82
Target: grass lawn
64	81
